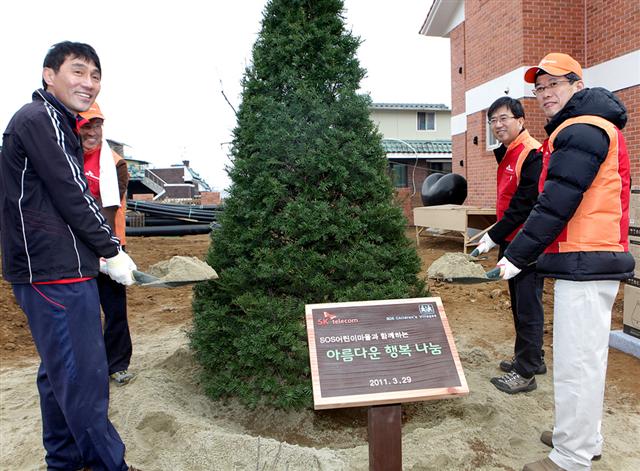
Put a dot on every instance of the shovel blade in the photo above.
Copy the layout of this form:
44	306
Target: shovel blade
491	275
144	279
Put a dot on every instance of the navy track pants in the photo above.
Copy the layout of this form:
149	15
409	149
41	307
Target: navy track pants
72	380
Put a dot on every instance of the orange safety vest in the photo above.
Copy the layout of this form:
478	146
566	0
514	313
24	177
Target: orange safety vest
601	221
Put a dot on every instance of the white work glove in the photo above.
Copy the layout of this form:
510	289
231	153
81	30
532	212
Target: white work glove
119	268
507	269
484	245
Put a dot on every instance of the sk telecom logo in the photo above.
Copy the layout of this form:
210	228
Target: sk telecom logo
328	318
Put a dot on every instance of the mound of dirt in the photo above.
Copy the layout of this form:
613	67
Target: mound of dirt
455	265
181	268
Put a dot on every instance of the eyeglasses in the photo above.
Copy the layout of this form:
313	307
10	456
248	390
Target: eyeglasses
502	119
539	90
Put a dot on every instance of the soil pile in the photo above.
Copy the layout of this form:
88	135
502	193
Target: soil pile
181	268
455	265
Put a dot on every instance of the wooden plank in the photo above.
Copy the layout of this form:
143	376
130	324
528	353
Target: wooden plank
456	218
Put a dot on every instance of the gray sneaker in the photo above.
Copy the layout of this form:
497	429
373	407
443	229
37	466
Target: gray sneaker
122	377
513	383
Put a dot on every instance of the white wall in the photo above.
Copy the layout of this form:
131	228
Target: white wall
403	124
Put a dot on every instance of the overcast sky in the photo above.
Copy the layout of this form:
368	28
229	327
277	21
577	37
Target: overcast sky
164	64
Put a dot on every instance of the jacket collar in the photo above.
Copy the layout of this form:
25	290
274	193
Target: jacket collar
523	136
54	104
591	101
502	150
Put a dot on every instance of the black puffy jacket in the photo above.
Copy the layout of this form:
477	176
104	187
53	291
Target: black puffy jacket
576	170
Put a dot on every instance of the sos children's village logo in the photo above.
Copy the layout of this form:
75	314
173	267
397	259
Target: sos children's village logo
329	318
426	309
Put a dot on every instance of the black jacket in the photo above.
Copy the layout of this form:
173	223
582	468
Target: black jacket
579	151
51	227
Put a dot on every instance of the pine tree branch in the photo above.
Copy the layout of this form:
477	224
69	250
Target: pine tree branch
226	99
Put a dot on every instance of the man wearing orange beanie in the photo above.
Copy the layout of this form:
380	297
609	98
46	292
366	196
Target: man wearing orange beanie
107	176
578	232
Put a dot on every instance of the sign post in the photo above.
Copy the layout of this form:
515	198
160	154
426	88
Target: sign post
385	437
373	353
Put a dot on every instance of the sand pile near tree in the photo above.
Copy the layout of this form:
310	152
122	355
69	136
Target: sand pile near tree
455	265
181	268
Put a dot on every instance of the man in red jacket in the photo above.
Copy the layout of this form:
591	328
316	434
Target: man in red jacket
519	165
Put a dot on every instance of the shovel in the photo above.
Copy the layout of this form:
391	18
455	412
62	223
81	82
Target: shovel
144	279
491	275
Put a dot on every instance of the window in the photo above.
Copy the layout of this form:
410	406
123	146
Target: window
398	175
492	142
426	121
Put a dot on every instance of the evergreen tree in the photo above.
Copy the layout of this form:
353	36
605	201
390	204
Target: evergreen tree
310	217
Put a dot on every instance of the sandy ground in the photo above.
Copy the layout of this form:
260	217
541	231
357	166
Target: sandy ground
168	423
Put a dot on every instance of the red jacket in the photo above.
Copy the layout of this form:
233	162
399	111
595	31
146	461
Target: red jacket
519	167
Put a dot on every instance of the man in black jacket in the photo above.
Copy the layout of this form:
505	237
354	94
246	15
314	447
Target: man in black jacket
52	238
519	164
579	230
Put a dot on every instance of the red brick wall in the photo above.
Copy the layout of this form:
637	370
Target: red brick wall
498	36
458	89
411	197
493	45
613	29
631	98
405	202
480	164
170	175
459	153
179	192
210	197
457	63
534	118
551	26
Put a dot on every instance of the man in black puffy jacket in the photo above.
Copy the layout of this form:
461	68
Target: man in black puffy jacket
578	232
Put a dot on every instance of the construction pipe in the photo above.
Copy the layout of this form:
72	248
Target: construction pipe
189	229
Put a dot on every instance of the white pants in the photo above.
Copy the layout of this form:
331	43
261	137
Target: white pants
581	325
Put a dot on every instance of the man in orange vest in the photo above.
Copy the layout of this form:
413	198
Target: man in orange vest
519	165
107	176
579	230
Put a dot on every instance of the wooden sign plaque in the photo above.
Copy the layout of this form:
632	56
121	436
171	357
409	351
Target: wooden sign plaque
382	352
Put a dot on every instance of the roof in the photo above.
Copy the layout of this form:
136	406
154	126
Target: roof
392	146
409	106
443	16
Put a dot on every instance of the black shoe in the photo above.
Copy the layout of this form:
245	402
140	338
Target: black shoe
547	439
507	366
513	383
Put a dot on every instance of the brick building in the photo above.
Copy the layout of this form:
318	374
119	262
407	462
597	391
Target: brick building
494	41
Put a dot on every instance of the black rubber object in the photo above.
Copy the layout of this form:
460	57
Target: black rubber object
439	188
